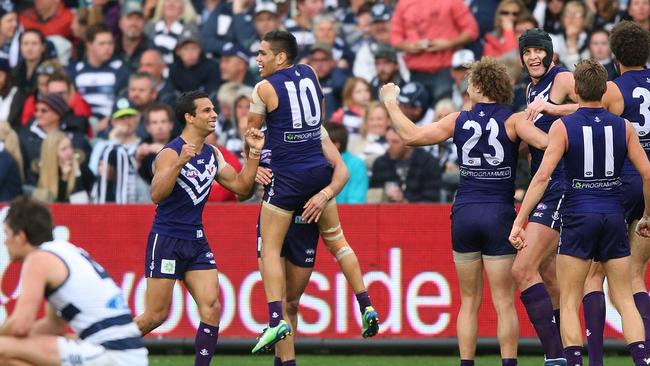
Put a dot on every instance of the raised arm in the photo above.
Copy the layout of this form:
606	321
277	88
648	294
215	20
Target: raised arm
431	134
556	147
241	183
167	167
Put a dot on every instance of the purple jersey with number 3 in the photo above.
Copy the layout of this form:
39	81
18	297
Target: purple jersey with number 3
294	126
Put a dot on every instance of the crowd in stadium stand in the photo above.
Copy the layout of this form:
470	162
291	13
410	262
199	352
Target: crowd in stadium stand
87	87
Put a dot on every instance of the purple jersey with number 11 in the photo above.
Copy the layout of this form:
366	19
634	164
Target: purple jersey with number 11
294	127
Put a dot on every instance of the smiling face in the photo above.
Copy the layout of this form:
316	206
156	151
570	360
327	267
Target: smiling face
378	121
205	116
533	61
64	151
267	62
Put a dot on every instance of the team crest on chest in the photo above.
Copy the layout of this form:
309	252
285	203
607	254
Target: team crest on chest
196	178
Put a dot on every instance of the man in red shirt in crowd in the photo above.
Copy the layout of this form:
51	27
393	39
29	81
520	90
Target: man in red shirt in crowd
51	17
429	32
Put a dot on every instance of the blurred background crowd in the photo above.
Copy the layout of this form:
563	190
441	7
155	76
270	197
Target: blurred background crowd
87	87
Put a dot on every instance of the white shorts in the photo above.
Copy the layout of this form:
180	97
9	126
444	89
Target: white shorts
74	352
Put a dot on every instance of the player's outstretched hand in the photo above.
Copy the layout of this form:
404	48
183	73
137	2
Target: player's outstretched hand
263	175
314	207
532	110
643	227
517	237
389	92
254	138
187	153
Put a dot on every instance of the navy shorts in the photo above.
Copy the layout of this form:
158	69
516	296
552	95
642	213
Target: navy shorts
289	190
482	227
299	245
169	257
548	210
632	192
597	236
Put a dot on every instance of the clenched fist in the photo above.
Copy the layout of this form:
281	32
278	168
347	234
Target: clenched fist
187	153
254	138
389	92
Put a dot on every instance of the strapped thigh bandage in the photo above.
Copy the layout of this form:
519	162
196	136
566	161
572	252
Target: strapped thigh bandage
336	242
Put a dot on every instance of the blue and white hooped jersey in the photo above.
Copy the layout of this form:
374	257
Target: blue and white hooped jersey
90	301
488	158
179	215
635	88
544	121
593	161
294	127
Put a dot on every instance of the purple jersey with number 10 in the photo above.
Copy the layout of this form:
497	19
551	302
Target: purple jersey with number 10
294	133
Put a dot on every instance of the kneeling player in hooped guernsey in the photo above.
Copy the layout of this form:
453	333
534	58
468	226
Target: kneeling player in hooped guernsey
79	294
177	248
488	136
594	144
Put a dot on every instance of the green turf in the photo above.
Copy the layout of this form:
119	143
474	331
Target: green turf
312	360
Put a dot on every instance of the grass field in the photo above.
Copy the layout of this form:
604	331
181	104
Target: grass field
312	360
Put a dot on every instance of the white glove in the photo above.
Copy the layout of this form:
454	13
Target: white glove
389	92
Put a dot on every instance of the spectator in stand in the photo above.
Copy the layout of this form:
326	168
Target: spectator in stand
460	64
523	23
61	85
502	42
217	31
219	193
599	50
63	176
356	189
152	63
571	45
331	77
100	77
50	17
548	14
607	14
355	26
106	12
114	162
387	68
171	19
227	130
380	32
371	142
42	74
429	32
191	70
9	34
240	107
12	96
639	12
33	51
446	153
405	174
142	91
415	103
79	31
159	123
11	164
51	110
301	25
356	97
327	30
132	41
249	35
233	65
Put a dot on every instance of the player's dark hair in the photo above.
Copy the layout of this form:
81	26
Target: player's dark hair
492	79
96	29
185	104
283	41
338	133
591	80
630	44
31	217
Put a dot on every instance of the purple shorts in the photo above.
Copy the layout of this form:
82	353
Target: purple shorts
299	245
169	257
548	210
482	227
289	190
597	236
632	192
